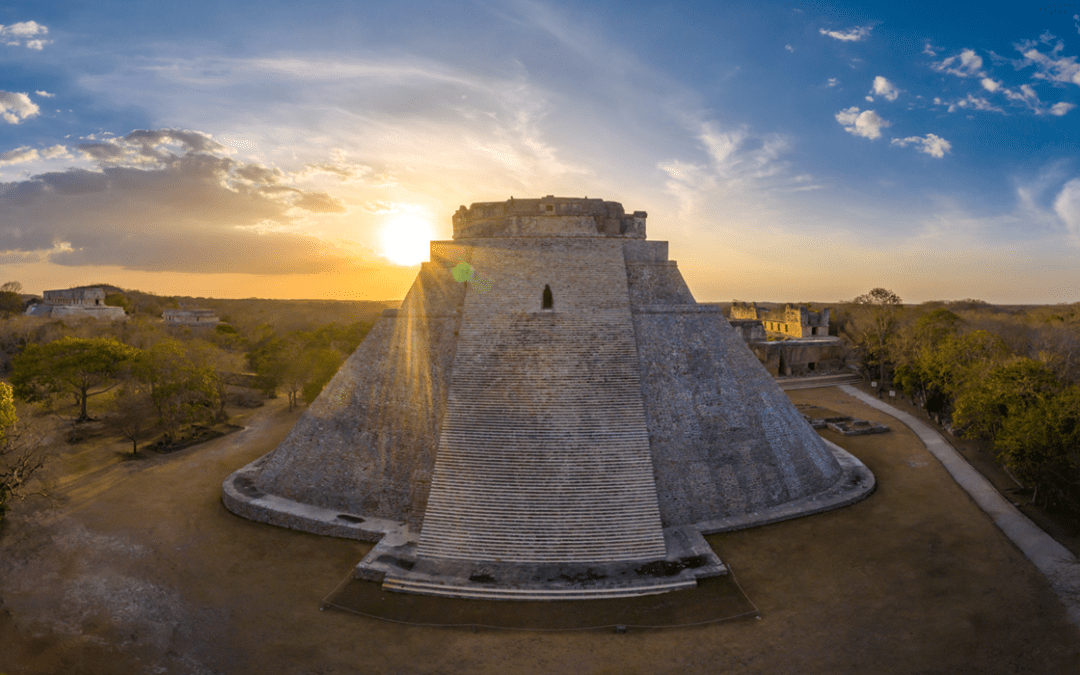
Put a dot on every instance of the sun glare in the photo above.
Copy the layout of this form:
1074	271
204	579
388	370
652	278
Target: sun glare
406	239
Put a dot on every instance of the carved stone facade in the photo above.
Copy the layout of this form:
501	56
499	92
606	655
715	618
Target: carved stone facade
789	320
190	316
76	303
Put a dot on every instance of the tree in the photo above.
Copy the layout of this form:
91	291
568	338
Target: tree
118	300
879	311
982	408
19	459
183	391
1042	445
10	303
11	287
82	367
134	412
321	365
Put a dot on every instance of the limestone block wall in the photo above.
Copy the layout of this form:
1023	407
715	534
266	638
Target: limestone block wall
751	330
367	444
100	312
657	283
710	462
744	310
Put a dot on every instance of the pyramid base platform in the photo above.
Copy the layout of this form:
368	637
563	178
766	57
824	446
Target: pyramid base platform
394	563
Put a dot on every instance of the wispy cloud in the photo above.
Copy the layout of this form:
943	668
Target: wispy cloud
27	34
16	107
1067	207
867	123
966	64
1061	108
856	34
833	81
45	94
974	103
931	144
1050	67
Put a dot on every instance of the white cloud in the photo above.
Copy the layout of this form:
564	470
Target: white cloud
928	50
854	35
1026	95
24	33
15	107
1061	108
789	48
931	144
833	81
866	123
870	98
990	85
1067	206
18	156
45	94
28	154
1051	68
883	87
975	103
968	64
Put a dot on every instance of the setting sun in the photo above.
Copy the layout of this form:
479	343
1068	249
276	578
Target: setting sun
406	239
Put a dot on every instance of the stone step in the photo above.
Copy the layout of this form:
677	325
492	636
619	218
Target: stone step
476	592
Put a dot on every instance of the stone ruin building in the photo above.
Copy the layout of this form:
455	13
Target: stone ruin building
549	415
789	340
190	316
797	322
76	303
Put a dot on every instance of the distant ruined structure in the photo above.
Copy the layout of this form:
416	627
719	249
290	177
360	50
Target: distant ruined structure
567	429
789	340
190	316
76	303
797	322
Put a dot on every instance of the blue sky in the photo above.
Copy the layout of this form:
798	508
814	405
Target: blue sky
788	151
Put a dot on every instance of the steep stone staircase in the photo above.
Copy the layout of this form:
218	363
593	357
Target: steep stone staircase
544	454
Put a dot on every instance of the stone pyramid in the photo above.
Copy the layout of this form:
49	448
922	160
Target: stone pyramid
548	415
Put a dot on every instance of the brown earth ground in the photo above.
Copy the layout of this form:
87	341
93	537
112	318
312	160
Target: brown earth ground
138	568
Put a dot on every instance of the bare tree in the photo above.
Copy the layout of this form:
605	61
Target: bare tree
19	456
880	314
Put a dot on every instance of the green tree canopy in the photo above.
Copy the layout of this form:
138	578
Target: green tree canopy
1041	443
983	407
82	367
183	389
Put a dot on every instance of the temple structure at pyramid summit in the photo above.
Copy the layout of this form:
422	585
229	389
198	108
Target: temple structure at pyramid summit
549	414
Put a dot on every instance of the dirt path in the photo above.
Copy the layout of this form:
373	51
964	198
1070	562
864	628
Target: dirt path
143	571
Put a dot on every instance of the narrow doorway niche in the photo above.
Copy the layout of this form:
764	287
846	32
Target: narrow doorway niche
549	302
